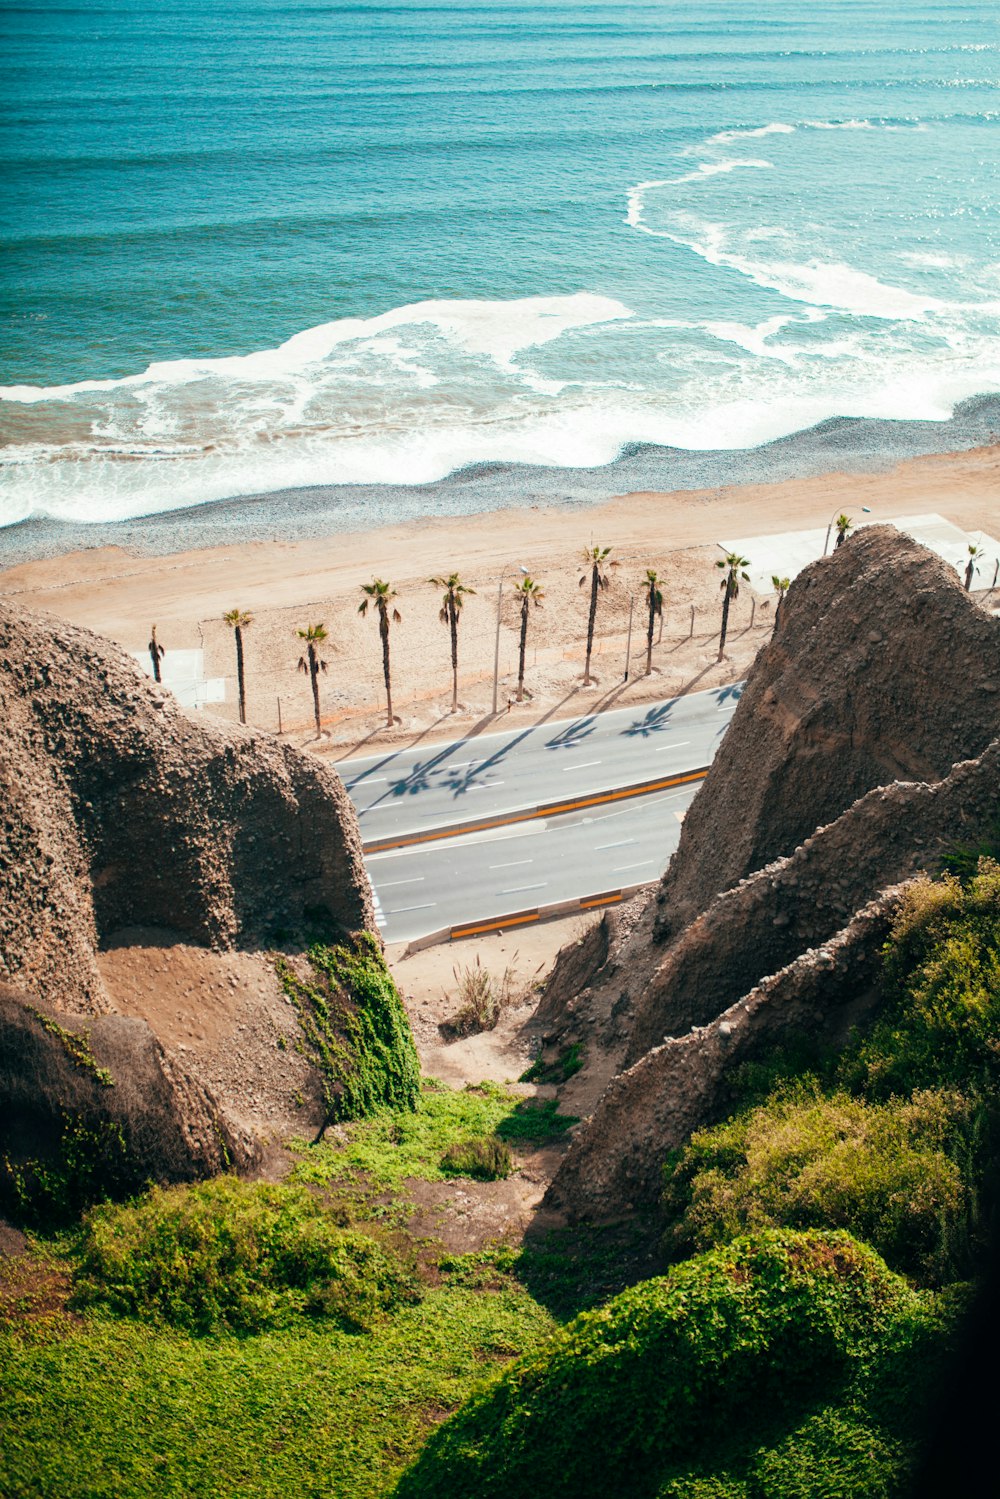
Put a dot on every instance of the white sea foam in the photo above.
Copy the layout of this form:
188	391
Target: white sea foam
498	330
823	283
722	137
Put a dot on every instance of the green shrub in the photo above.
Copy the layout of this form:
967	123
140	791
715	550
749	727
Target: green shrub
485	1160
699	1382
566	1065
942	976
228	1255
884	1172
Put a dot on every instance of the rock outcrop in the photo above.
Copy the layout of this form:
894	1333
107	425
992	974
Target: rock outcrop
882	669
836	782
133	1115
148	862
117	810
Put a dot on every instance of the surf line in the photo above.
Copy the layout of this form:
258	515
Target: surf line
549	809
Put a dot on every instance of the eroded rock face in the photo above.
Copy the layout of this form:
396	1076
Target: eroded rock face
117	810
735	985
102	1092
864	747
882	669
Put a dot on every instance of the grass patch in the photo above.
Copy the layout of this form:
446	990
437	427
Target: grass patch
228	1255
120	1408
382	1152
483	996
536	1120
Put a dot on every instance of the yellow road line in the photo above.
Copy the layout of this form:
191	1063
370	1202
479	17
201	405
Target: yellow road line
553	809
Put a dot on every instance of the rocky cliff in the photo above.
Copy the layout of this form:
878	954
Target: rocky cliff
148	862
864	747
882	669
117	810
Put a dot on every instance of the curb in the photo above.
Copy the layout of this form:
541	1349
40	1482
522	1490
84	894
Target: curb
524	918
545	809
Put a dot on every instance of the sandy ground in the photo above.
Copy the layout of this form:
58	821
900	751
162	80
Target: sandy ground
291	585
429	984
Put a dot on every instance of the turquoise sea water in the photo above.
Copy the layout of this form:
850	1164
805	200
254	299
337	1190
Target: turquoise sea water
250	245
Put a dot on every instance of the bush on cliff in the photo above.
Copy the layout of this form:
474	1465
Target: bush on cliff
354	1024
742	1371
885	1172
898	1147
228	1255
941	1027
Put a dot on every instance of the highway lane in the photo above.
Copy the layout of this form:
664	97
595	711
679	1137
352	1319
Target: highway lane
410	791
475	877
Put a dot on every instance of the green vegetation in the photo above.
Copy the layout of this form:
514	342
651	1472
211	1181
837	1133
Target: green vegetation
114	1406
484	1160
76	1045
895	1142
942	972
748	1361
382	1152
886	1171
356	1028
569	1062
228	1255
90	1161
264	1340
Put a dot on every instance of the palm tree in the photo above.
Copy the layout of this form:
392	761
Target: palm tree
451	607
970	567
654	598
594	559
381	595
238	621
156	654
781	587
531	593
313	635
733	564
844	524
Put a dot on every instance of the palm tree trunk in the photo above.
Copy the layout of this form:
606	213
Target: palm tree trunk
314	678
968	581
383	629
239	675
840	539
594	584
725	620
525	602
649	633
453	621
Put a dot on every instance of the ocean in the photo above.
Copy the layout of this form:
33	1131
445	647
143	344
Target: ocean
418	256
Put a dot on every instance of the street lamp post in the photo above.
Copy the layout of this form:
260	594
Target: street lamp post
865	510
496	649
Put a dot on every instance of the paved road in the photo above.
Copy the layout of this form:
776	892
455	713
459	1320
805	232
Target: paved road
414	790
477	876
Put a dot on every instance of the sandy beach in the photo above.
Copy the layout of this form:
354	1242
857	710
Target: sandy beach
289	585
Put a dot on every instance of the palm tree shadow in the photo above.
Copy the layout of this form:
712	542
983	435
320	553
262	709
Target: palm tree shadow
655	721
573	734
397	749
